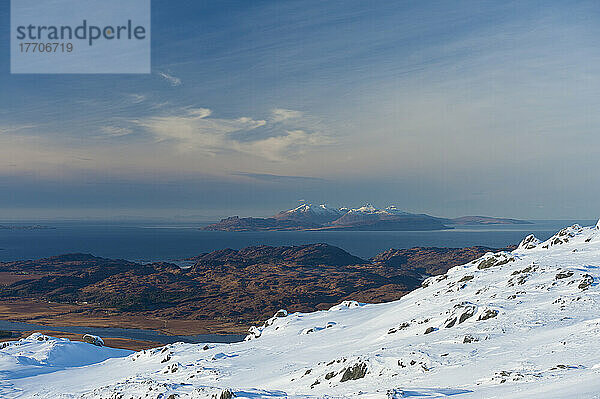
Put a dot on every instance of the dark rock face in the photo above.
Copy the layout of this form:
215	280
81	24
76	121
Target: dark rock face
585	282
495	260
562	275
470	339
488	314
92	339
226	394
355	372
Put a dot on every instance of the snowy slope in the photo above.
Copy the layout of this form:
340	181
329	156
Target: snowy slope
509	325
39	354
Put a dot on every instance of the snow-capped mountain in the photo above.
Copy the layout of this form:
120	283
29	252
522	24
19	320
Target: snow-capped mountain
321	209
367	217
521	324
371	210
309	213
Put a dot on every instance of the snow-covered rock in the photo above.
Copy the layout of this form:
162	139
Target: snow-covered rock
529	242
563	236
522	324
93	339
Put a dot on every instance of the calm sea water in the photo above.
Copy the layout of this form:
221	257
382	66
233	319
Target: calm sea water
171	242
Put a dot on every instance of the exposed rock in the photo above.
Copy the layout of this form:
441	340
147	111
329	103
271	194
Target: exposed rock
402	326
93	339
470	339
563	236
488	314
493	260
565	274
460	314
227	394
450	322
529	242
354	372
585	282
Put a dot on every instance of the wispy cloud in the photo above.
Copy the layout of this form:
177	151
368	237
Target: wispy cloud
194	129
137	98
173	80
277	178
282	114
289	144
116	131
15	128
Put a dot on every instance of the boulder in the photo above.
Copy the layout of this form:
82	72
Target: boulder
93	339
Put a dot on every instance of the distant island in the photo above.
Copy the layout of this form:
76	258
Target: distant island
29	227
366	218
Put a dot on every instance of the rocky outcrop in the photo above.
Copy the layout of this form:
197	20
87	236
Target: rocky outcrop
354	372
529	242
93	339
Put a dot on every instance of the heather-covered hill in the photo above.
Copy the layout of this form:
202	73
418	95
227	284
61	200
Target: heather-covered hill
242	285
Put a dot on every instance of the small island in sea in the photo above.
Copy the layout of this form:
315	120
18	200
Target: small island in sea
24	227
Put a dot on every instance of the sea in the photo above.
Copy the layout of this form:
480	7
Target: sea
142	241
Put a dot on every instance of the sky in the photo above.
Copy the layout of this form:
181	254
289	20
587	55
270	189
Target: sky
444	107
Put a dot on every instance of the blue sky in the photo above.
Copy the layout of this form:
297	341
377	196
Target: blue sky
449	108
